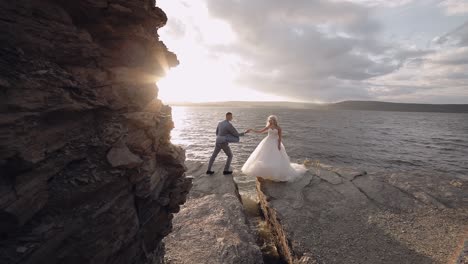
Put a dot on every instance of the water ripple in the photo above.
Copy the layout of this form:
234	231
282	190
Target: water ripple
420	143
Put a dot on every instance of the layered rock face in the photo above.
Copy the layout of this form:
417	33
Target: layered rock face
88	173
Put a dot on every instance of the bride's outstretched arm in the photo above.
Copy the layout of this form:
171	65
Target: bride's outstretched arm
259	131
279	138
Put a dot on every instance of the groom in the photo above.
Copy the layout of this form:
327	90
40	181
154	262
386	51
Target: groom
225	134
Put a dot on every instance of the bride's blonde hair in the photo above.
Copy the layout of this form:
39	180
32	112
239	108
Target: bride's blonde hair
273	119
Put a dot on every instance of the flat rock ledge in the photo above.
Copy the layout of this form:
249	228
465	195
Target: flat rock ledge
211	226
348	216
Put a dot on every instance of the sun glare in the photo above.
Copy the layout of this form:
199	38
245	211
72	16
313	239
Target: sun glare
197	83
202	76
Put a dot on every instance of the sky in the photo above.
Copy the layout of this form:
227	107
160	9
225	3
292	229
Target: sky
316	50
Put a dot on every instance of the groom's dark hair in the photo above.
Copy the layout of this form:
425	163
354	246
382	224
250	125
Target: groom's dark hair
228	113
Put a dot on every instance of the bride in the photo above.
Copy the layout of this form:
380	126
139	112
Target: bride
270	160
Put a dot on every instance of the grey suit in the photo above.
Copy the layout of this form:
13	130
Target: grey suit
225	134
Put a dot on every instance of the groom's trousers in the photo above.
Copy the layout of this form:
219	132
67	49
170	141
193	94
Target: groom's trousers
225	147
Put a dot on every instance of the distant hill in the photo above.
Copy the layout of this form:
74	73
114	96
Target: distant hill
252	104
399	107
345	105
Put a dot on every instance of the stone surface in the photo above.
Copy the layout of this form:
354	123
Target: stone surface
211	226
122	157
88	173
463	257
347	216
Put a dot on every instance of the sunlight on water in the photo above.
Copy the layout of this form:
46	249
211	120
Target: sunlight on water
179	115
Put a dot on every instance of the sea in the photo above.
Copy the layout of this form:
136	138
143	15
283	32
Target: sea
375	141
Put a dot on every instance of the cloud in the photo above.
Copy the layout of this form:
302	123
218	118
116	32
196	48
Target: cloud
455	7
439	76
308	49
176	28
454	56
317	50
384	3
456	37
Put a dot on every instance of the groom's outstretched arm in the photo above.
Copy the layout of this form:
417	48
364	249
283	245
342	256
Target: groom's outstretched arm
234	132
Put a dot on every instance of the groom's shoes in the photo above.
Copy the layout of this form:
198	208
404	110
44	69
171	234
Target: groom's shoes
227	172
209	172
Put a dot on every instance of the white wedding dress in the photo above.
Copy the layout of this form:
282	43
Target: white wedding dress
270	163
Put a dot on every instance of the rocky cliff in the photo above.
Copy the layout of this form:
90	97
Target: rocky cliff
88	173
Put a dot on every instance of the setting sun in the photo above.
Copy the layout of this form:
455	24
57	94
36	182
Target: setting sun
212	81
197	79
202	76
